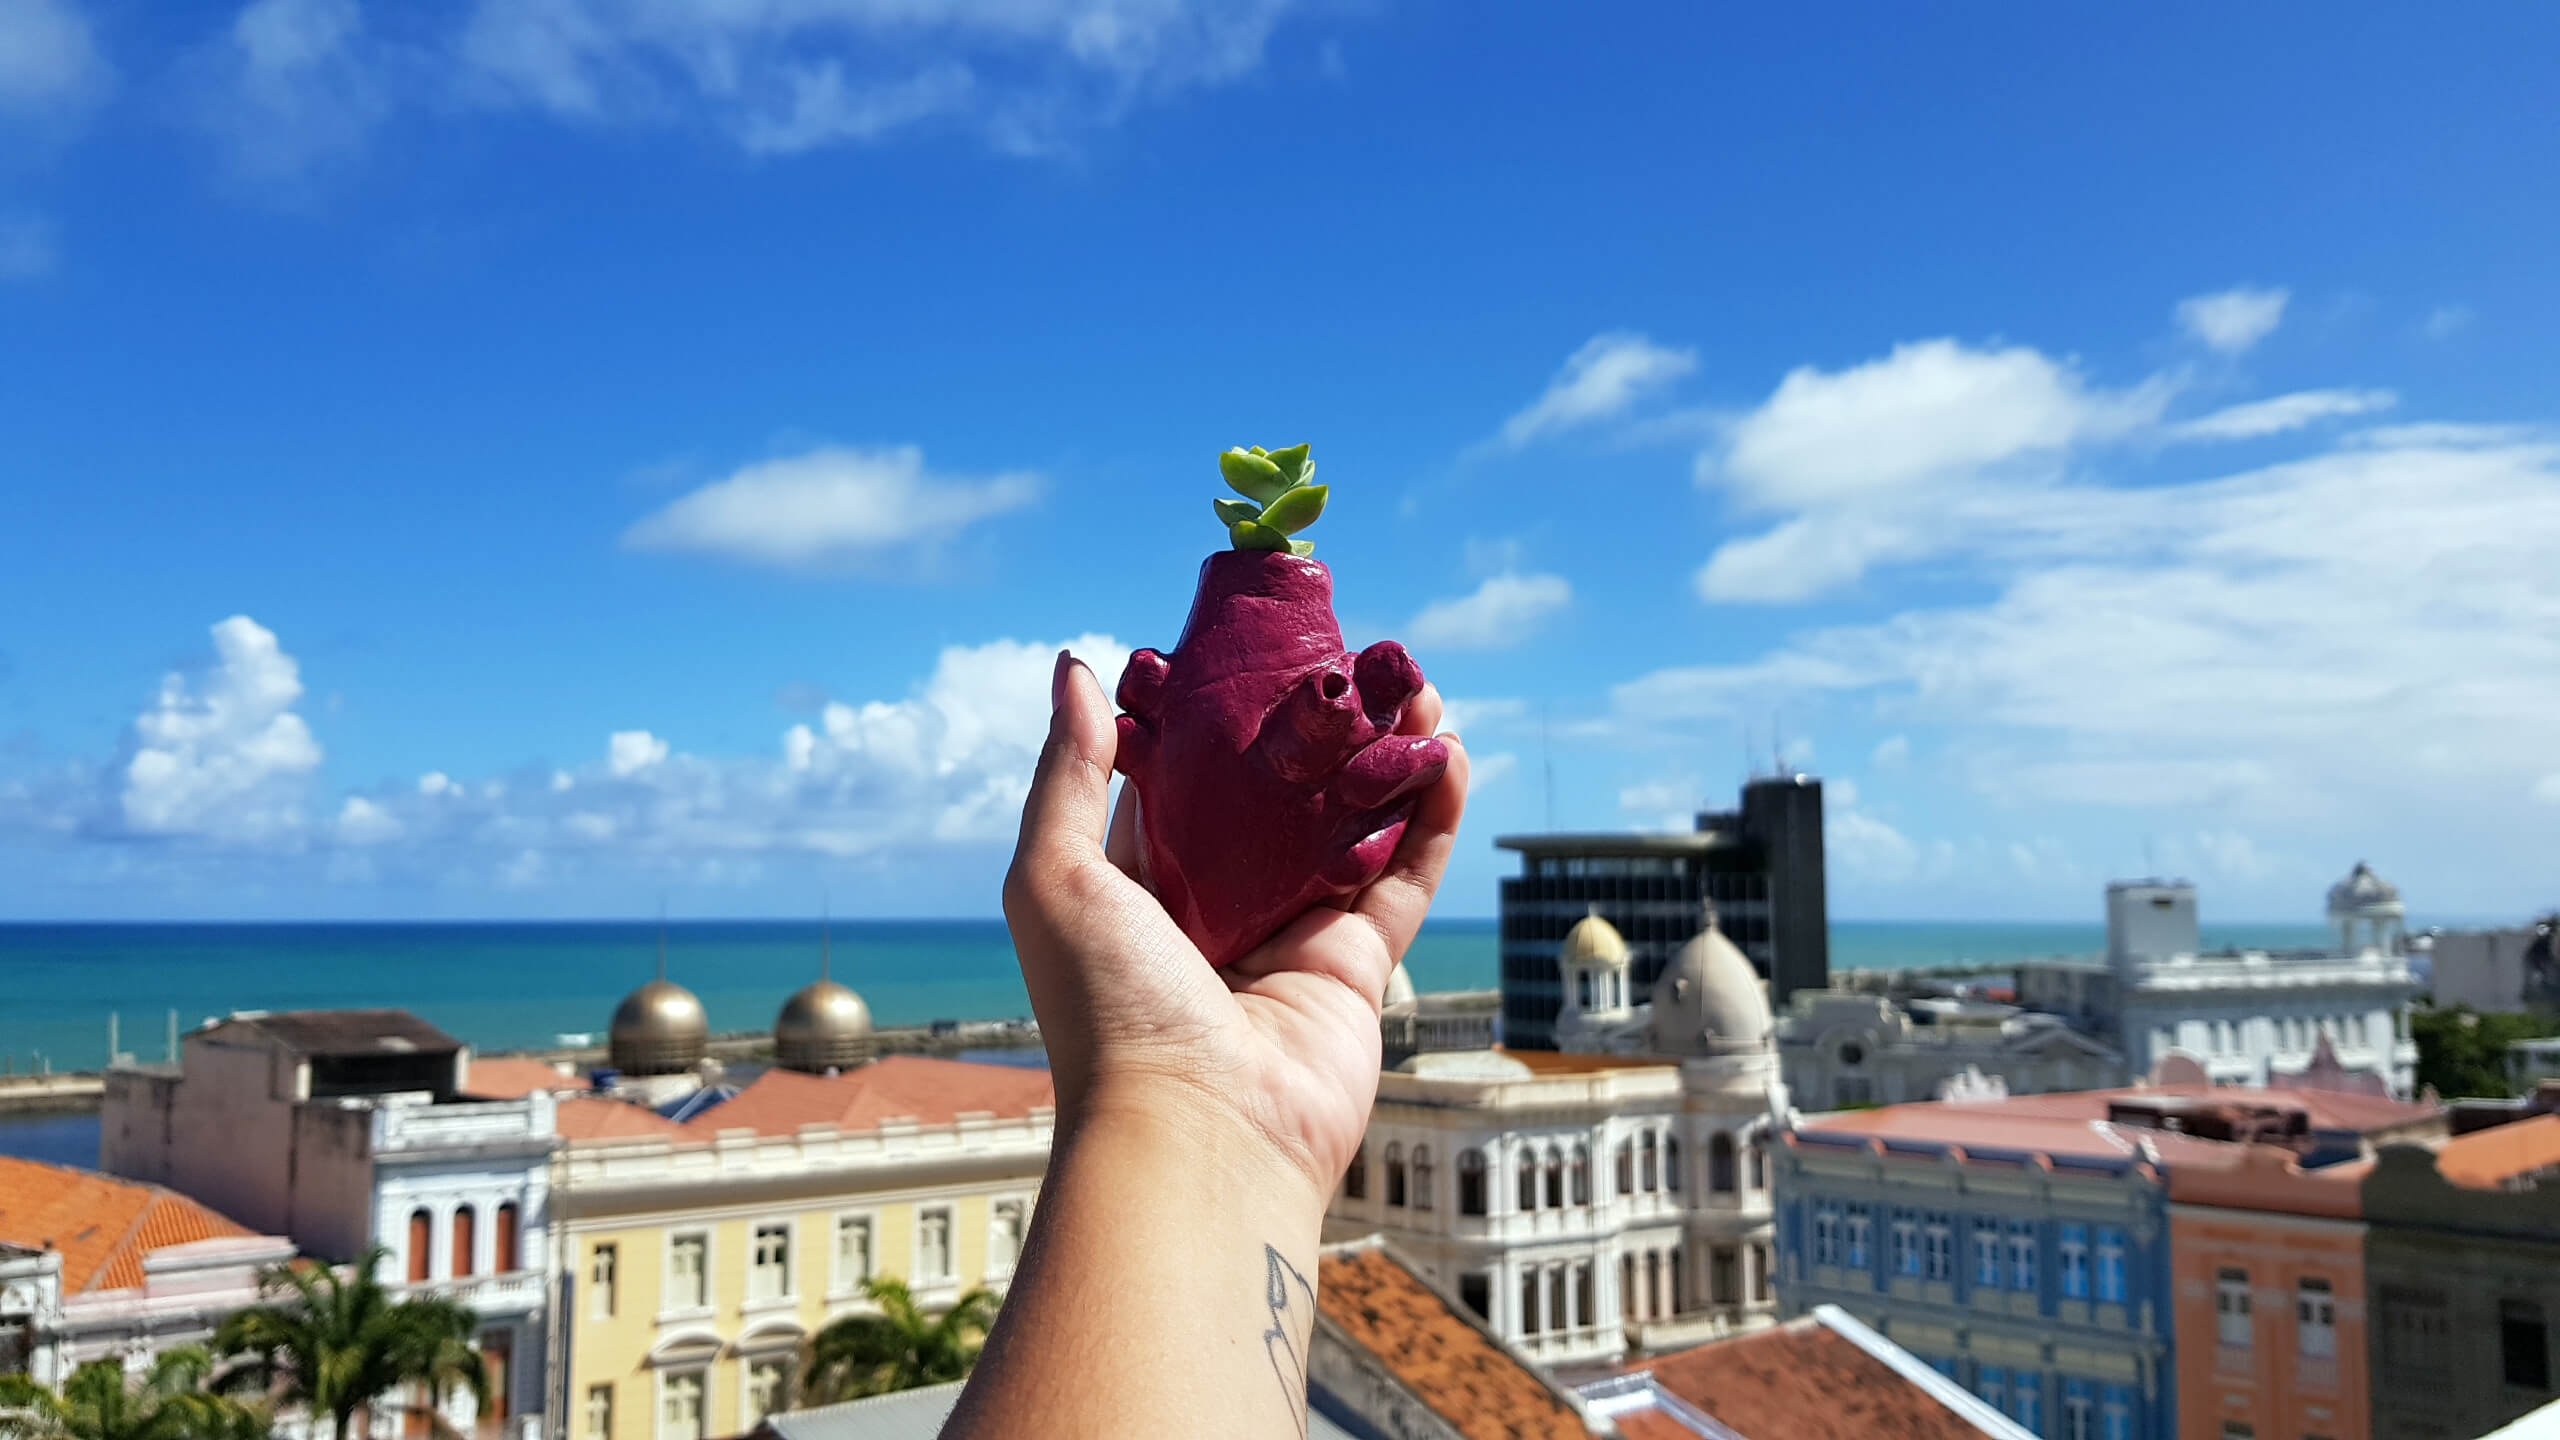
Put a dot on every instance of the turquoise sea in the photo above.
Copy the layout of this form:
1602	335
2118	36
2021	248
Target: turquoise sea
499	986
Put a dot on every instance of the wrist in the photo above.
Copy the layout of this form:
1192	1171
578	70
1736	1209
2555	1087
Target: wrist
1153	1124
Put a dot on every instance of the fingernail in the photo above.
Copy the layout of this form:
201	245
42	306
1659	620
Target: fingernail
1452	737
1058	680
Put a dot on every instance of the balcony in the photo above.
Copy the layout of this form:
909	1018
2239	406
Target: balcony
1576	1343
2316	1372
514	1292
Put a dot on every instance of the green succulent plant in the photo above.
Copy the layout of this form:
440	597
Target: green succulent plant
1281	498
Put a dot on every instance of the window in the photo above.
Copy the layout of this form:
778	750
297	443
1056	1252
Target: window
1470	1182
769	1272
853	1252
2162	1042
1906	1243
1826	1236
1528	1300
1720	1163
466	1241
422	1233
1626	1167
1652	1169
1559	1317
1986	1254
1555	1178
2222	1037
2115	1413
2524	1344
1421	1177
1584	988
2026	1400
1991	1382
601	1269
1724	1276
1475	1291
599	1412
1678	1266
505	1258
1581	1174
1627	1286
1583	1307
689	1277
2079	1414
1849	1090
2111	1276
2073	1248
1395	1175
1939	1233
680	1407
1528	1179
2231	1307
766	1382
1652	1282
2315	1316
2022	1256
1671	1163
2238	1430
1759	1271
1355	1181
1858	1225
2417	1349
933	1245
1759	1166
1004	1236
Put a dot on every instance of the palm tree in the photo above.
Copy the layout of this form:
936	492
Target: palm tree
98	1402
899	1348
339	1343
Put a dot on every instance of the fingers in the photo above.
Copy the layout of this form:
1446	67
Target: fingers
1422	714
1064	817
1398	899
1122	845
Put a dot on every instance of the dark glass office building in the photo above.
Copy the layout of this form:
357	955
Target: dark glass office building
1762	865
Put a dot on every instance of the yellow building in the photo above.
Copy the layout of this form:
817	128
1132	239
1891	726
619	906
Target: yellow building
700	1258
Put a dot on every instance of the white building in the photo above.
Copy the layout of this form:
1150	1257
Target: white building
1841	1048
2494	971
1584	1204
349	1129
2248	1017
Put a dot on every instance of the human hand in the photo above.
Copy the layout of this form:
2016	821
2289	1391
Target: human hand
1280	1047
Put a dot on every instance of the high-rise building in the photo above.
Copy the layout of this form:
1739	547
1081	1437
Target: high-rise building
1761	865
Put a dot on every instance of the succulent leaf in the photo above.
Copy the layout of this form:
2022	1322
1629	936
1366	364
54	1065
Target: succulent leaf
1231	511
1292	463
1302	548
1254	535
1295	510
1252	476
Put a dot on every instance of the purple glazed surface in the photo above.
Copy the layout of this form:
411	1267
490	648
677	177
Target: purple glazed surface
1269	773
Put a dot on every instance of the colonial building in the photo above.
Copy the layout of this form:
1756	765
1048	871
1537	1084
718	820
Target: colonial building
96	1268
2248	1017
2493	971
345	1130
1841	1048
1584	1203
1761	866
701	1257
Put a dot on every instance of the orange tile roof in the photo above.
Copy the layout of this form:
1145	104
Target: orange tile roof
512	1077
1651	1425
592	1117
102	1225
913	1087
2071	1123
2486	1159
1804	1380
1466	1376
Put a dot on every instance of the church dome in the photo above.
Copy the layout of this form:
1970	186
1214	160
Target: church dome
659	1029
1399	990
822	1027
1593	941
1708	1000
2362	890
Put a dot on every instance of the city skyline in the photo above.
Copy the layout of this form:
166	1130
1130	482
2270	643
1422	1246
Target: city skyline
465	469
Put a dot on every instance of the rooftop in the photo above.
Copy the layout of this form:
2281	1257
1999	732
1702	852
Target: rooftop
917	1414
2076	1124
593	1117
909	1087
513	1078
338	1032
2488	1159
1822	1376
103	1226
1473	1382
1665	842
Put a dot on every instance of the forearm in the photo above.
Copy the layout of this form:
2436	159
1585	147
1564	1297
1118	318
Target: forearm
1168	1288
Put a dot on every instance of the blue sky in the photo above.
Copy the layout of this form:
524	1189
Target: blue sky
526	460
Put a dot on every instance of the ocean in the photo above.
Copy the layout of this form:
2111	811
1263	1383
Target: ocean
512	985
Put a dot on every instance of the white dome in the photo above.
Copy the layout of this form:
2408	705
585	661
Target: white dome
1594	941
1399	991
2363	890
1708	1000
1465	1065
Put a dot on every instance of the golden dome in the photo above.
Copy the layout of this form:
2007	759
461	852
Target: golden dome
822	1027
1594	941
659	1029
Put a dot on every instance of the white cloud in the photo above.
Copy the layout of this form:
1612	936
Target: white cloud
26	247
1464	715
1600	381
1484	770
2446	321
436	782
1502	611
629	752
292	85
828	507
2281	413
1891	753
49	59
2231	321
224	757
361	822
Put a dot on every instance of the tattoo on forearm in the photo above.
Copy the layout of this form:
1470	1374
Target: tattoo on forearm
1286	1293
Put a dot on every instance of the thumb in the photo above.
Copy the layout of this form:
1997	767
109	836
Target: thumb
1069	808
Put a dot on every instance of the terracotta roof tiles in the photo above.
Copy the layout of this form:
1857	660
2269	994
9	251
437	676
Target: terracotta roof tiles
913	1087
103	1226
1469	1379
1803	1380
512	1077
2487	1159
593	1117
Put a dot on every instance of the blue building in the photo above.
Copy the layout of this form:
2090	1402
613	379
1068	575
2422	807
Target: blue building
2020	1246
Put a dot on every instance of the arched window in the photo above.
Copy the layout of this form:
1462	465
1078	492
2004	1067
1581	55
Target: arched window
1555	1178
1421	1177
1652	1165
1626	1167
1759	1166
1559	1313
1679	1291
1528	1299
421	1244
1581	1174
1627	1286
1355	1181
1652	1284
1671	1163
1720	1163
465	1239
1470	1182
505	1260
1585	988
1528	1179
1395	1173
